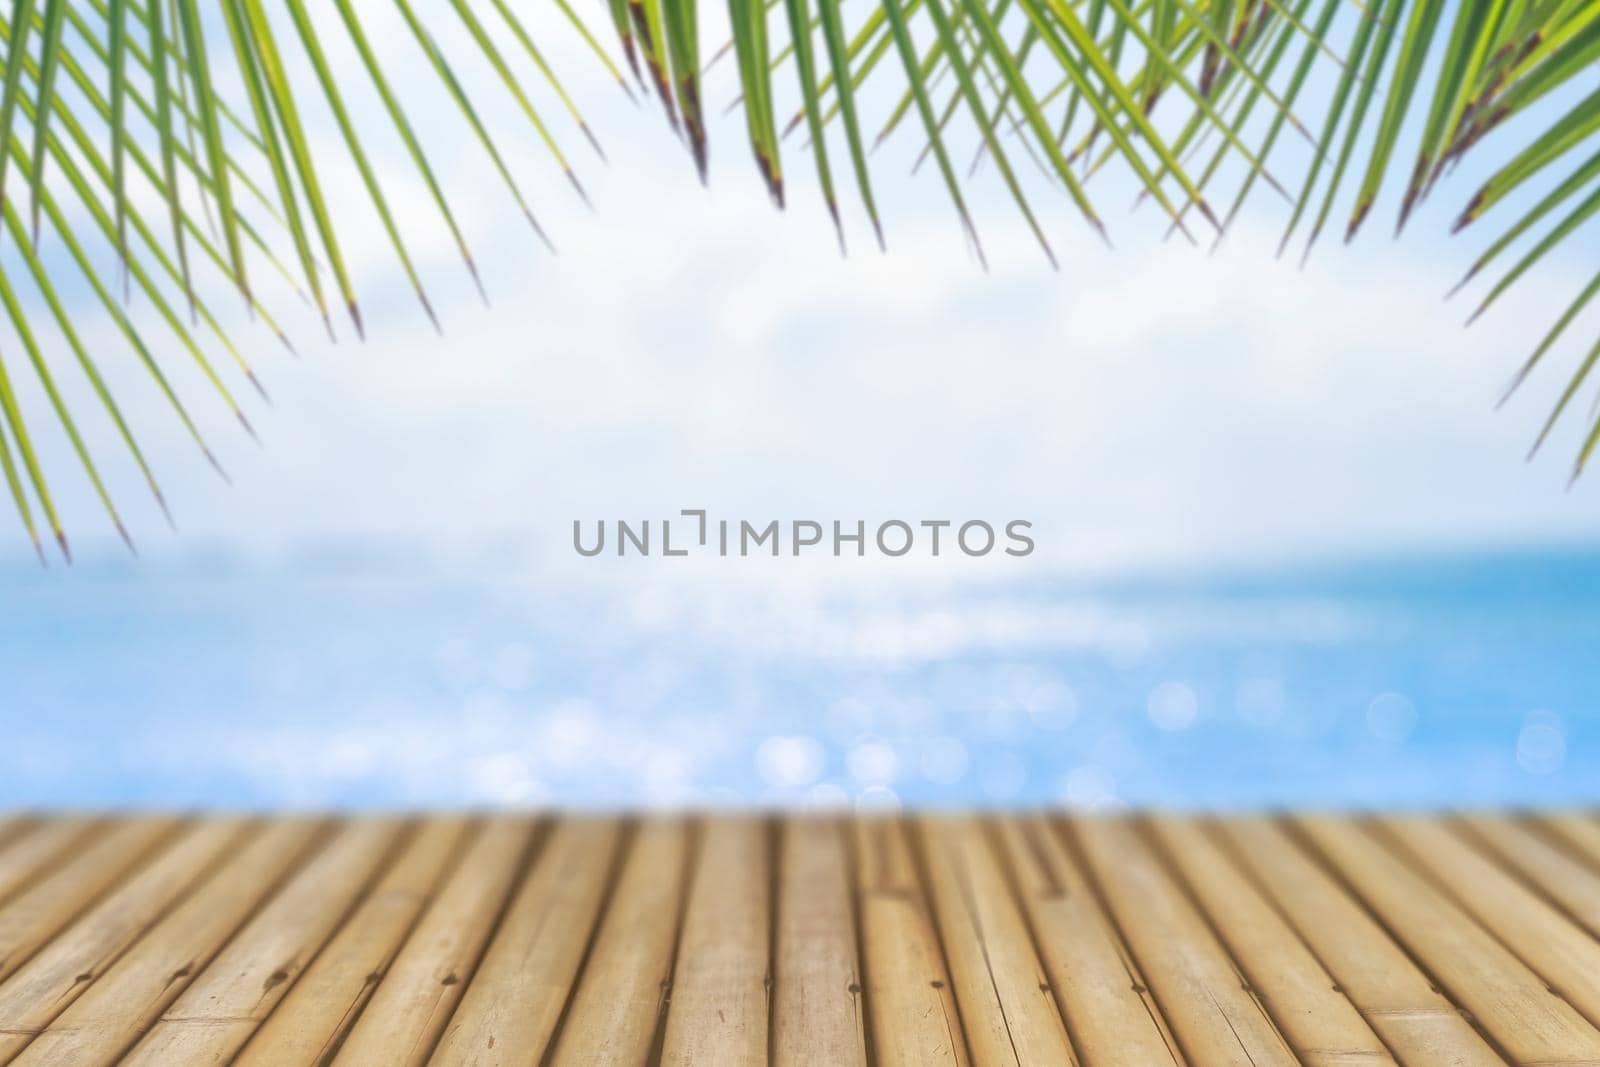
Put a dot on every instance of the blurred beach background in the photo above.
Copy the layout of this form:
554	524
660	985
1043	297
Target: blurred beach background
340	679
1288	552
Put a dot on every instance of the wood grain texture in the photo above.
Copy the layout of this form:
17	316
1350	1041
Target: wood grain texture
1103	998
514	1002
819	1006
1576	830
117	1009
62	970
222	1007
1397	999
1556	948
1321	1024
319	1010
516	940
1009	1013
412	1005
722	974
1212	1009
1512	1003
914	1019
617	1008
30	851
1561	876
32	917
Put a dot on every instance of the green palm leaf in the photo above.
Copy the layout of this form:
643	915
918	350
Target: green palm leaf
102	101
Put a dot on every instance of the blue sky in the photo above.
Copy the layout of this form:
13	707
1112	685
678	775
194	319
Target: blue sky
692	347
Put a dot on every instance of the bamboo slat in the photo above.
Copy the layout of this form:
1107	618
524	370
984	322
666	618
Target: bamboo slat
1414	1019
13	826
1107	1006
64	968
1008	1011
1030	938
318	1011
34	915
1579	831
222	1007
1510	1002
30	851
1557	873
913	1016
510	1010
411	1007
722	974
818	1009
1211	1008
1313	1013
616	1010
1553	945
115	1011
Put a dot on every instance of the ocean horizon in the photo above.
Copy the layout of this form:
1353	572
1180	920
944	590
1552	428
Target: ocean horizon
315	681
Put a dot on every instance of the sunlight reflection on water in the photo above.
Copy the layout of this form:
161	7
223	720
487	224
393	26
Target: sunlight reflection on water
1457	681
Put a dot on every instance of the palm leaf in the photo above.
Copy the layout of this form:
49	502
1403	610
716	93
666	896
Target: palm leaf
123	97
21	23
352	139
805	68
49	56
838	61
198	71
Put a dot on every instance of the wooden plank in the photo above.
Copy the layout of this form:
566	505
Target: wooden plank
515	1000
1321	1024
117	1009
319	1010
1561	876
621	997
409	1009
818	1015
911	1007
1579	831
1108	1008
33	852
32	917
1216	1016
1508	1000
722	973
1413	1018
222	1007
1008	1012
13	825
1164	942
1557	949
63	969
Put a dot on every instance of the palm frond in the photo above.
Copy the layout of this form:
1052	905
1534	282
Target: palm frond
179	134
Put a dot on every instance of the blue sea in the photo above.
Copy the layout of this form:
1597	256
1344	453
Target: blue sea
386	680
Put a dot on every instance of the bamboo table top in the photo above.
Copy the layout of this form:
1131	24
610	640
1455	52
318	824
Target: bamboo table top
1034	938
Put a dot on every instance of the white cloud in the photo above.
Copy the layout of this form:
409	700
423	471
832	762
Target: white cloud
694	348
